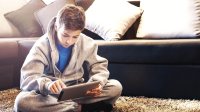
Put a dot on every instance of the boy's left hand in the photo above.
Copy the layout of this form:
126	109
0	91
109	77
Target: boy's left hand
95	92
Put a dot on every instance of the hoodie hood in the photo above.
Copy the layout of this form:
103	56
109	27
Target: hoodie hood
51	34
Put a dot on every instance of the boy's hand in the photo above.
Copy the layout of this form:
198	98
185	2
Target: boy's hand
56	86
95	92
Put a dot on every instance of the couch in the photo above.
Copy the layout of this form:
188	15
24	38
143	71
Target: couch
165	68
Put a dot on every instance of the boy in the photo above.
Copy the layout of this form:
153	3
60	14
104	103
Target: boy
56	60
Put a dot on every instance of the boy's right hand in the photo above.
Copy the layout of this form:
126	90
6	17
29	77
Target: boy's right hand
56	86
95	92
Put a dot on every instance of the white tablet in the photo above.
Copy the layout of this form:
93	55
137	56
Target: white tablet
77	91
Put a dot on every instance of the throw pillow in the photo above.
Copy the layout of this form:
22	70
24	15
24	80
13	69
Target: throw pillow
7	28
47	2
110	19
84	3
169	19
24	19
45	14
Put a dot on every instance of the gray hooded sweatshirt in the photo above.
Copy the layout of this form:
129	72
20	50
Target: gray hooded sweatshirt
39	68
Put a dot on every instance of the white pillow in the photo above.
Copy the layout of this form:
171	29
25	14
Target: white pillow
7	29
110	19
169	19
47	2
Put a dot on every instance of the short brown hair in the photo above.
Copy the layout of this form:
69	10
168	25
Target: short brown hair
72	17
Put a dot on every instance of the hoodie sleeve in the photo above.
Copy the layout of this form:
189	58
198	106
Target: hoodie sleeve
97	65
32	77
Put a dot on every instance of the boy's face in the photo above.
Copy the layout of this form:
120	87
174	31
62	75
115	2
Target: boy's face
67	37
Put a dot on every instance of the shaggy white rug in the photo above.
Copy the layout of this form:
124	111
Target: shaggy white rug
123	104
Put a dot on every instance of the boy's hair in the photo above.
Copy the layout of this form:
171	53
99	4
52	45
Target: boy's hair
72	17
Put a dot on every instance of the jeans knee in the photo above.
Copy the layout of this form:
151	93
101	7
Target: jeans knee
117	88
20	102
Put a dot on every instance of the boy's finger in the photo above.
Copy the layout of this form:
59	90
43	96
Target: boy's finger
58	86
62	84
52	90
55	88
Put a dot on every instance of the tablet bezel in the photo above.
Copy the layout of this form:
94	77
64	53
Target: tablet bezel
77	91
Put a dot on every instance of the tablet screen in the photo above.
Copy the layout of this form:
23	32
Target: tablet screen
77	91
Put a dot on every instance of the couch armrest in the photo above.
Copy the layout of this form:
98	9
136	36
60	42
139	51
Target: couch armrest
8	48
8	60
